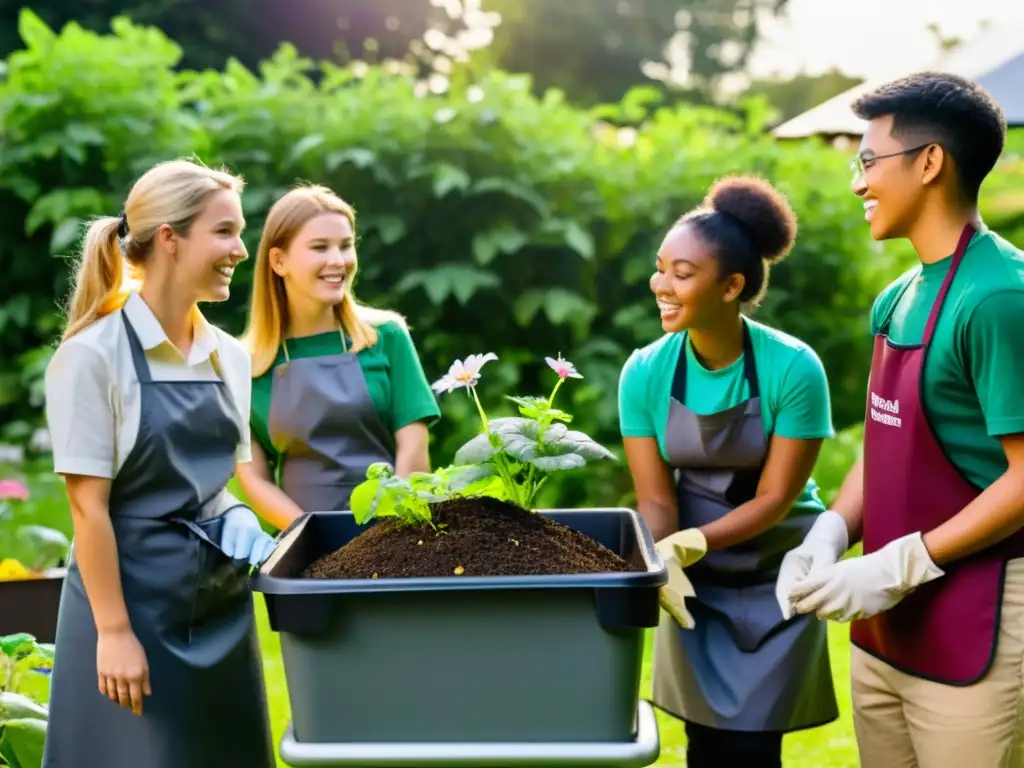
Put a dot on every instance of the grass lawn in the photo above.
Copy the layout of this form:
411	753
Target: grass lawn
829	747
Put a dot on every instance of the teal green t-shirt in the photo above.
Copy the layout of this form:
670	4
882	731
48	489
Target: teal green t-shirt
394	376
975	364
794	390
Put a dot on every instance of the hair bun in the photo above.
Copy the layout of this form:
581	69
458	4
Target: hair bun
762	211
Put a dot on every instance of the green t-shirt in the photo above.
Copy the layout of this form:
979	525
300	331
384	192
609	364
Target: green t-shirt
794	390
394	377
976	360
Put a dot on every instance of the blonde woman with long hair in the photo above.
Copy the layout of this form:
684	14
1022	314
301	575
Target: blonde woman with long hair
337	385
157	662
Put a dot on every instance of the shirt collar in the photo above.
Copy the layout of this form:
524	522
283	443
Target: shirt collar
151	334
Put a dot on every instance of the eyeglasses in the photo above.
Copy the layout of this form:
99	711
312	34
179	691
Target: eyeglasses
860	165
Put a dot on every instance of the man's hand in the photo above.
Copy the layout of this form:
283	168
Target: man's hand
823	545
862	587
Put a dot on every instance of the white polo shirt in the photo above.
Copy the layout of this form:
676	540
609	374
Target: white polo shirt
93	395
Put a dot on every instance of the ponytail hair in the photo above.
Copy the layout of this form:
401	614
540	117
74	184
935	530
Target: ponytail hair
115	249
99	277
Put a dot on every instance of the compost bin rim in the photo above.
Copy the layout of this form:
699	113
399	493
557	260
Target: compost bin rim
656	574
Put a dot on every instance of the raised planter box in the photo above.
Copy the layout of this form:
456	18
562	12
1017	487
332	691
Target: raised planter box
30	605
488	670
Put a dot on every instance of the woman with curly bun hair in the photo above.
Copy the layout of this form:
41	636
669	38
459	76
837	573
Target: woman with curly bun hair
722	420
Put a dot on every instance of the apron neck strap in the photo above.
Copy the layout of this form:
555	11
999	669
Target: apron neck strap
341	333
749	368
138	353
958	256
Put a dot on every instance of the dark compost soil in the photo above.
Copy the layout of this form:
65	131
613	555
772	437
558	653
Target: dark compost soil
482	537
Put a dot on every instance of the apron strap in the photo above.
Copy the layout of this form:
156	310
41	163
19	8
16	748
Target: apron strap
958	256
138	354
749	368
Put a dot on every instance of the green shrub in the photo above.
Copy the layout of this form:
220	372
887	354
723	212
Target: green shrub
494	220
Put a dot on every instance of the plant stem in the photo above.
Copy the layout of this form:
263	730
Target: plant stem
506	477
480	409
554	391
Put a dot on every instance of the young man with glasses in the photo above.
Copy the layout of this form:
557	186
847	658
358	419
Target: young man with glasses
937	599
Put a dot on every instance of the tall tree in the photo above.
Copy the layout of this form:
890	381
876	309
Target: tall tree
596	50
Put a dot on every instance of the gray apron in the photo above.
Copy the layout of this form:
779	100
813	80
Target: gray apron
742	667
324	424
188	603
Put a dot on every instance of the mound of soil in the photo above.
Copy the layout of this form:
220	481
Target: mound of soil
481	537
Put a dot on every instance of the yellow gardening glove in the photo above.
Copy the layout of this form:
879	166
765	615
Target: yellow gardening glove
679	551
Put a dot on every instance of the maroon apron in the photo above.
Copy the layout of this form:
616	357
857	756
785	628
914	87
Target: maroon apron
944	630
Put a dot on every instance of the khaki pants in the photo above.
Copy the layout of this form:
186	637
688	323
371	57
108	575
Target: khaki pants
905	722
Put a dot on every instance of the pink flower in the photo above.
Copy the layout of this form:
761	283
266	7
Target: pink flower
12	489
563	368
463	374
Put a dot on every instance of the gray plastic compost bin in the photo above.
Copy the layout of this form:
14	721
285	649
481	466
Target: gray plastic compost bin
503	670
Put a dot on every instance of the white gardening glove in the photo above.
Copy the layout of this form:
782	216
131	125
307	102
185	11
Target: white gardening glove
679	551
823	545
861	587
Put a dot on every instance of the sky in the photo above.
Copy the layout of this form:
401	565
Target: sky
819	34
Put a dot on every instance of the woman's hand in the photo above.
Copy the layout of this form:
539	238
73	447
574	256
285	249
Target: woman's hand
122	669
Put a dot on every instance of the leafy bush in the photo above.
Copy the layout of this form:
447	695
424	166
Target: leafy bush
492	219
24	699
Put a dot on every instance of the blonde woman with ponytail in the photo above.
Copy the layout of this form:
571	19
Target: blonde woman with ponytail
337	385
156	660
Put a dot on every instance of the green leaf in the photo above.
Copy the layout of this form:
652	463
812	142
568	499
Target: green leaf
559	463
562	441
448	177
358	156
64	235
579	240
17	645
492	486
34	32
537	408
22	741
560	306
304	145
464	477
487	444
15	706
520	439
459	280
505	240
574	235
48	545
364	500
514	190
391	228
379	469
476	451
80	133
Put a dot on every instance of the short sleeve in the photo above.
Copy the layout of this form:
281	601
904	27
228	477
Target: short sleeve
412	399
995	359
79	412
635	418
805	408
